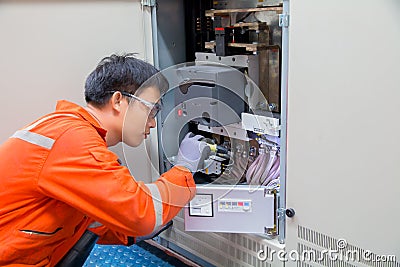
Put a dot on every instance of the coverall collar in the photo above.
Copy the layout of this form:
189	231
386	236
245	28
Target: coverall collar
69	107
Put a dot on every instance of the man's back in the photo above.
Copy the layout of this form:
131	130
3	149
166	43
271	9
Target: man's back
31	223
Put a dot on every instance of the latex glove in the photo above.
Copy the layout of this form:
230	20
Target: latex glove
193	152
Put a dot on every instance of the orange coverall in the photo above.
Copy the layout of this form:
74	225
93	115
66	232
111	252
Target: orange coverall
58	179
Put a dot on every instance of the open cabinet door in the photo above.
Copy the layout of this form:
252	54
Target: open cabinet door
343	133
223	225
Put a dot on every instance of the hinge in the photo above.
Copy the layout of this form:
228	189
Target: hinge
281	214
150	3
284	20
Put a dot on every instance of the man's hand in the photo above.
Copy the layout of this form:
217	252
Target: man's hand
193	152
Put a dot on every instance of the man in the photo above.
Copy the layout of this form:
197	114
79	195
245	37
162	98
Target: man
59	179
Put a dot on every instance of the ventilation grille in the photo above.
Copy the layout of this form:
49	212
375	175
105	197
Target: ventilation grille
303	264
219	249
320	258
342	257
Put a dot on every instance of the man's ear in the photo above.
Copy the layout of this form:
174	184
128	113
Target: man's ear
116	101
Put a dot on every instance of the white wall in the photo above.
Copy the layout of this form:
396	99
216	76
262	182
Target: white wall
47	49
343	175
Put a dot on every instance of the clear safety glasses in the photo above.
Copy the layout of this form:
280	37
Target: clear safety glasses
154	107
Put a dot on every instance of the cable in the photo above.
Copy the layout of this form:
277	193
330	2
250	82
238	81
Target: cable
273	173
260	170
271	161
274	183
255	166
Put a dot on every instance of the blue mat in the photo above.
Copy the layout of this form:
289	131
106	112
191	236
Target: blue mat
135	255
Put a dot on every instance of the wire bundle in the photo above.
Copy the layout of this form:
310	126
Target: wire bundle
265	167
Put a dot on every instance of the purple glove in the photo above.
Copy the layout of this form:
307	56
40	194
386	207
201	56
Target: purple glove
193	152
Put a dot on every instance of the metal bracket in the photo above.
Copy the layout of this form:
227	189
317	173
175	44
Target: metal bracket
149	3
270	232
284	20
269	191
281	213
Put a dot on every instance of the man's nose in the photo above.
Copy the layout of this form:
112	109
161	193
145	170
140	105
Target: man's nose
151	122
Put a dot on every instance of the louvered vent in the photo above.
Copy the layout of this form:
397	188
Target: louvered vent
220	249
317	244
303	264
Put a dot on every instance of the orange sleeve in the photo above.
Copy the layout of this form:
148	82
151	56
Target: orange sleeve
81	172
109	237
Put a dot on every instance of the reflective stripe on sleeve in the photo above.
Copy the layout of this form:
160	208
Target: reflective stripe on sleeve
34	138
158	208
94	225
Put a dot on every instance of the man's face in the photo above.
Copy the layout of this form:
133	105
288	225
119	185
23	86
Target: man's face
139	119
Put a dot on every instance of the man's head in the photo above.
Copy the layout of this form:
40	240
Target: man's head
125	93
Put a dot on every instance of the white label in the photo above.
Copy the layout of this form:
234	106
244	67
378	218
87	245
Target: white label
260	124
201	205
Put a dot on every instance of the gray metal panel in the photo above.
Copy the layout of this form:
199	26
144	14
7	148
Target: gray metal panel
219	104
171	33
220	75
259	217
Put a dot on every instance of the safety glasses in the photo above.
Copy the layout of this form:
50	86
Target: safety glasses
154	107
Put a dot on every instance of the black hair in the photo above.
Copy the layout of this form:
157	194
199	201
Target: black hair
123	73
